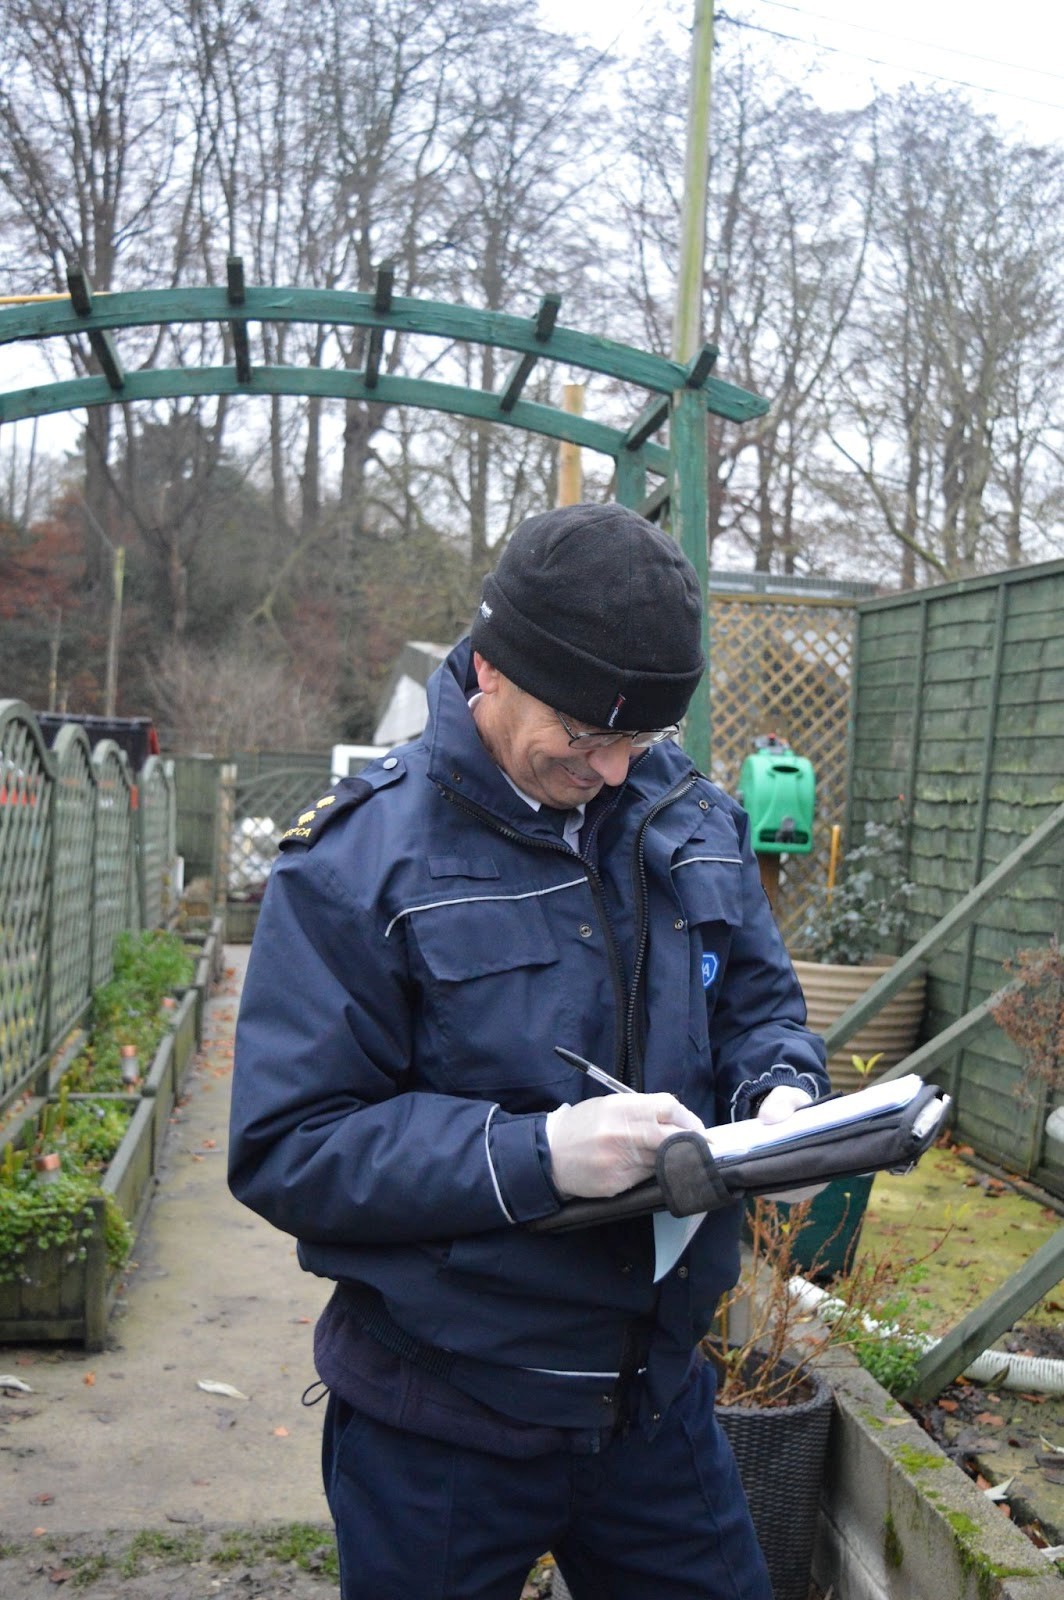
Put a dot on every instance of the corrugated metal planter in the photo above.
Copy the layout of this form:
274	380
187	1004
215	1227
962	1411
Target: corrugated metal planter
64	1294
830	990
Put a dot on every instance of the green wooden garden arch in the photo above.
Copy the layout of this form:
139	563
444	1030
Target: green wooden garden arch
680	394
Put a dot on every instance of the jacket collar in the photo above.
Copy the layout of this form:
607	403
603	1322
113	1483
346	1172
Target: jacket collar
458	760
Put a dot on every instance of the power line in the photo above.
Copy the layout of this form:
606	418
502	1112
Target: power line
923	44
895	66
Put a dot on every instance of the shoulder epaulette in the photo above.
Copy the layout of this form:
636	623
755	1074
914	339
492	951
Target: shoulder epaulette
342	798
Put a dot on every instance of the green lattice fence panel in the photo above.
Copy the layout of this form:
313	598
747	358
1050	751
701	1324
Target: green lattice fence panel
74	820
155	861
116	891
26	791
780	663
264	806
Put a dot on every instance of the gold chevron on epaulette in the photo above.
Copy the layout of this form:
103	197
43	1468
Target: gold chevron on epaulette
309	824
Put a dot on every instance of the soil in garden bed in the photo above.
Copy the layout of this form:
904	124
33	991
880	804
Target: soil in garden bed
996	1435
974	1229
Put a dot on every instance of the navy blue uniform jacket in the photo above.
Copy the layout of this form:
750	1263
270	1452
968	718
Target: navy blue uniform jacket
422	947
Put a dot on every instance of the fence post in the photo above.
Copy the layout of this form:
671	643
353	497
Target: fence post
224	812
49	786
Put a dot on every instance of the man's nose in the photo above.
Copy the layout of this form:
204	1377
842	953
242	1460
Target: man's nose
611	761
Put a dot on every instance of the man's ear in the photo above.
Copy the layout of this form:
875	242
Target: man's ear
488	677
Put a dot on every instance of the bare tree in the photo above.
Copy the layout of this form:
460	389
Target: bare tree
789	221
92	140
950	413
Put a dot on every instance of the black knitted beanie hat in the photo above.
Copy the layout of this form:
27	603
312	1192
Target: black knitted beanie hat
596	612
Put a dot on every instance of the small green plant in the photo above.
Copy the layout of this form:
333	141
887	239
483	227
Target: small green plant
872	1311
128	1009
300	1544
152	1548
864	914
57	1216
51	1208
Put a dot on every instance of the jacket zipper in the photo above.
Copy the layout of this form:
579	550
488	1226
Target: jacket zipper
470	807
634	1046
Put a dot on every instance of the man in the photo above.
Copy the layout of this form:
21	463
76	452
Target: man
544	867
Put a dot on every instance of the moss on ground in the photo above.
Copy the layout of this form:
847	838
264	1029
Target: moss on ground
982	1235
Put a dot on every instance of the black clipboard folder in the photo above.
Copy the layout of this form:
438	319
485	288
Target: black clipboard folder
863	1132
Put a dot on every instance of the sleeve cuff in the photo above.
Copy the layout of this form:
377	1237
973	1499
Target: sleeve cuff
519	1159
748	1096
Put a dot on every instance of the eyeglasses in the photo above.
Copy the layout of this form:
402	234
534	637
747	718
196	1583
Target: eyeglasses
642	739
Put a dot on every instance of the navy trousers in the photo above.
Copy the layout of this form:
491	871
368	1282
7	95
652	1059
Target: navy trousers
639	1519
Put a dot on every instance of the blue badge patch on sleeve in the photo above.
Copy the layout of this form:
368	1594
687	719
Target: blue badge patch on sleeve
710	968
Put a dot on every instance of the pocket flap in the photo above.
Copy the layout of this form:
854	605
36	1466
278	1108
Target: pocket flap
710	891
459	940
462	867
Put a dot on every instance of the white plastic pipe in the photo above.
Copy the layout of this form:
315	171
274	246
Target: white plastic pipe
1002	1367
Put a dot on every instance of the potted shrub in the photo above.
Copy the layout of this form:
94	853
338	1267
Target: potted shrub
773	1405
846	943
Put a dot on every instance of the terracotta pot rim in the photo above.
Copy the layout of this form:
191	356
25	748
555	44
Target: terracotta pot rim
880	964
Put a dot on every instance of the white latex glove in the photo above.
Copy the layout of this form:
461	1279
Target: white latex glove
779	1104
782	1102
606	1144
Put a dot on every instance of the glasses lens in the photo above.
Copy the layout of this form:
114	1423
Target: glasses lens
644	740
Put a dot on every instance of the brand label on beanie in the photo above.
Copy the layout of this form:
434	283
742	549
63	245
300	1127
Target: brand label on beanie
615	713
485	610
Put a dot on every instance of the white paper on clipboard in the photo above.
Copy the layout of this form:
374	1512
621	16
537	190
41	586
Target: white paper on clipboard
672	1234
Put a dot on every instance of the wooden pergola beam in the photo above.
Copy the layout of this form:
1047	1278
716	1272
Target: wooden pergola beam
235	293
517	377
382	304
103	346
652	417
343	309
655	503
700	366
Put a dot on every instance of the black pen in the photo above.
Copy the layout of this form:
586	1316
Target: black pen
614	1085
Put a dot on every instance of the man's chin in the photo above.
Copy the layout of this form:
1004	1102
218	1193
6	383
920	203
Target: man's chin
572	791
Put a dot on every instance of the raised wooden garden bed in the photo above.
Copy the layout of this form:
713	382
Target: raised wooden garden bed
66	1292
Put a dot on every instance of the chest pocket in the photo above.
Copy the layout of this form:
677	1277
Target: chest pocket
494	998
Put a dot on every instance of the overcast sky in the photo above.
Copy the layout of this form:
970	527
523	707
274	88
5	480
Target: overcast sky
1009	59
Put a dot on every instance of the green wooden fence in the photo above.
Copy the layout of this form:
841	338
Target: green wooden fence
86	850
197	777
959	707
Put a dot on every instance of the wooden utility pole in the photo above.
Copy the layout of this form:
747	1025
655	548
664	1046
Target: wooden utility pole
53	658
570	469
687	317
688	499
118	554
